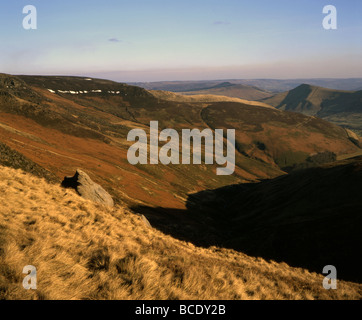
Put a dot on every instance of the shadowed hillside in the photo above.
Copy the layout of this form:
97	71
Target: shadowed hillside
85	251
309	218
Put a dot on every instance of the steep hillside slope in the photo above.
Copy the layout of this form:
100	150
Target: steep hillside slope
310	218
340	107
64	131
13	159
86	251
275	136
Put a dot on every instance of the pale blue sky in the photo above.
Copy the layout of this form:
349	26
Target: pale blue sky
147	40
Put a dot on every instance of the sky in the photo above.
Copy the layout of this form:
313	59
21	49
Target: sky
163	40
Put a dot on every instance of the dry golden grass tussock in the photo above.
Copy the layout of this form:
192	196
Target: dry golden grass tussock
85	251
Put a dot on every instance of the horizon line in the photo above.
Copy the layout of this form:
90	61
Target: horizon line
198	80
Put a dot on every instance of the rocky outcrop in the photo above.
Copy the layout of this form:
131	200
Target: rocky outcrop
88	189
354	138
145	221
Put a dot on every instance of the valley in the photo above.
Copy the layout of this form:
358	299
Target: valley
51	125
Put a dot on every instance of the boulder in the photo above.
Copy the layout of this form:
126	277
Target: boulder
88	189
354	138
145	221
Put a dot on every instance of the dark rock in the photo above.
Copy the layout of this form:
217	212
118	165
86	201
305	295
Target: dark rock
88	189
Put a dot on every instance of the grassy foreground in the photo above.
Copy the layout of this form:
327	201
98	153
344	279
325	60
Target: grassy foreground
84	251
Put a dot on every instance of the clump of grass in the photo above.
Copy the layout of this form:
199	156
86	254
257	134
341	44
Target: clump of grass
99	260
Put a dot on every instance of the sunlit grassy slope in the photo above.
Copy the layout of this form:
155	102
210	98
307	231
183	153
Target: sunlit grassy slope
85	251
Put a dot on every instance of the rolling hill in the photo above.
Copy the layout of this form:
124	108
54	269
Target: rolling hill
202	98
52	125
340	107
39	114
65	123
232	90
218	88
274	136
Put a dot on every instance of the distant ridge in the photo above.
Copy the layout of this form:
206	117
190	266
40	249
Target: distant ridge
306	99
197	98
340	107
269	85
220	85
232	90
